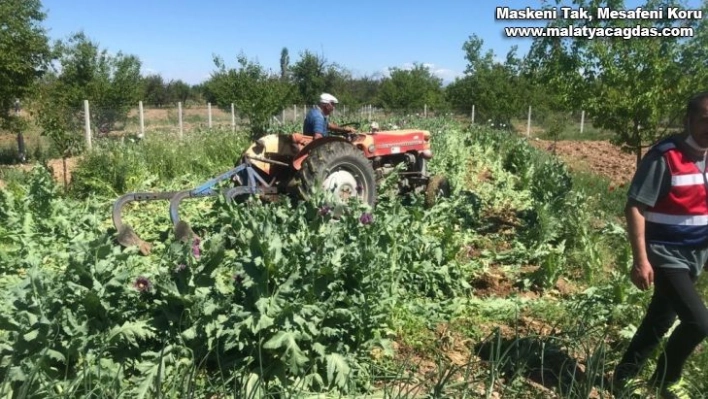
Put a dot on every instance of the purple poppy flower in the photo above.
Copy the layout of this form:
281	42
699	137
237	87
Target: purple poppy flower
195	247
142	284
324	210
366	218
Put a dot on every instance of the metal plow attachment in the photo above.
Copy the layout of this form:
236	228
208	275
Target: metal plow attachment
127	237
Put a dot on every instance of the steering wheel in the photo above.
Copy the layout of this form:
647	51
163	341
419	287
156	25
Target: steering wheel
349	135
356	125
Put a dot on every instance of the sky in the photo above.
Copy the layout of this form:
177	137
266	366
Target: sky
179	38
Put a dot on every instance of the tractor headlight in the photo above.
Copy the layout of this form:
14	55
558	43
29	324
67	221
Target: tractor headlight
372	148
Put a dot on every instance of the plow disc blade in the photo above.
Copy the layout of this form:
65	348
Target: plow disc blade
126	235
127	238
183	232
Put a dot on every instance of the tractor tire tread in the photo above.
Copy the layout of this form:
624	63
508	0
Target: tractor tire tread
321	158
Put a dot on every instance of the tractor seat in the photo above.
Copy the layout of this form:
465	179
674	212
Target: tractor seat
300	140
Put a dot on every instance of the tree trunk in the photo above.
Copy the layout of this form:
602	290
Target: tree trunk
21	147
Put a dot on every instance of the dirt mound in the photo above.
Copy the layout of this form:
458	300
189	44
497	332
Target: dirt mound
600	157
58	169
55	165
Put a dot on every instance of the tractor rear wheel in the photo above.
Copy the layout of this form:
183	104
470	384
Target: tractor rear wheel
438	186
340	168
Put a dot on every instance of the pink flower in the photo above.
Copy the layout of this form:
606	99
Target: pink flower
195	248
366	218
324	210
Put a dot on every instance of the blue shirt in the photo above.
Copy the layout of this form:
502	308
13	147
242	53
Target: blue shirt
315	122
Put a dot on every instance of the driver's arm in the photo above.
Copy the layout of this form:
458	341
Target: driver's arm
336	128
318	126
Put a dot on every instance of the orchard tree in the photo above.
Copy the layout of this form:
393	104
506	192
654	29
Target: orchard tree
180	91
410	90
338	81
497	90
308	74
637	87
363	89
56	123
111	83
24	56
254	92
284	63
154	90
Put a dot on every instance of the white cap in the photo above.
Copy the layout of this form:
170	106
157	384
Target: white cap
326	98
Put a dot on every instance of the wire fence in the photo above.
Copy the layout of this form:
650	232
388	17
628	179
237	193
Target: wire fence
145	119
174	121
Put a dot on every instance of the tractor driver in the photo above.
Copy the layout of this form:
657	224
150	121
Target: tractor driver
316	122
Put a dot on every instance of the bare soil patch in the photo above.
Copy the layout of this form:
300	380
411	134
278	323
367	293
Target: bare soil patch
600	157
55	166
493	285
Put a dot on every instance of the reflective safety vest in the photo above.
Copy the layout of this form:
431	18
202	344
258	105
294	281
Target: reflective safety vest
681	217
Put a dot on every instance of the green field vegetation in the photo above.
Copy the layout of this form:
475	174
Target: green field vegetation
515	286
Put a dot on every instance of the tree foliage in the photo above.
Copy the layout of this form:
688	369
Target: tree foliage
309	75
111	83
24	52
156	91
284	64
410	90
254	92
24	56
498	90
639	86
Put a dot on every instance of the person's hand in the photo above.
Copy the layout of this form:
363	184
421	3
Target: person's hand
349	130
642	275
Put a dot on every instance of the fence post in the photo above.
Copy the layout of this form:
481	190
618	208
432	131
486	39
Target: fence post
294	112
233	118
142	120
87	124
425	111
209	113
473	114
582	121
179	115
528	123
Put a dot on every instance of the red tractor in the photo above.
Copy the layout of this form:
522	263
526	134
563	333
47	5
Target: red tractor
294	164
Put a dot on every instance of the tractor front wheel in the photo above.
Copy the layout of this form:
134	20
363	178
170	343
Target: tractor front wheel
438	186
340	168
